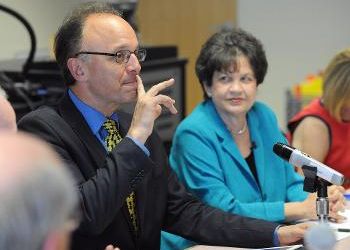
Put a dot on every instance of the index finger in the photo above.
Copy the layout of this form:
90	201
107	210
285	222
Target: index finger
160	86
140	87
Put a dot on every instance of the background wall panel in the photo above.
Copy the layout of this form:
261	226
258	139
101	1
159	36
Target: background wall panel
186	24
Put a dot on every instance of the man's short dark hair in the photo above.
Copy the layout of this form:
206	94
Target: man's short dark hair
69	35
224	48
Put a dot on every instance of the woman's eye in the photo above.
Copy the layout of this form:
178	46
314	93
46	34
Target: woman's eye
247	79
224	78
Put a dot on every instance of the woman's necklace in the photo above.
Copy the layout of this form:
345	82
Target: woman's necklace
241	131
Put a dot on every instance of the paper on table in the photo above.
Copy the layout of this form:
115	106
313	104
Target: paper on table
294	247
202	247
342	225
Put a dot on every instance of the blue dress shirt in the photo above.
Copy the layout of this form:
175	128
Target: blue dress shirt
95	120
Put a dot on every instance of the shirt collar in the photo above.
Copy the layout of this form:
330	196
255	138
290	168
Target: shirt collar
94	118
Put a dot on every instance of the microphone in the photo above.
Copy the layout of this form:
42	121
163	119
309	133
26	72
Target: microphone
299	159
320	237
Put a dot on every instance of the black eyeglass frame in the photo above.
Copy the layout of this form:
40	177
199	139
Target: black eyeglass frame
139	53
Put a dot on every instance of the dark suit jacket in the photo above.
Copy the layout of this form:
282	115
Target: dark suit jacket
104	181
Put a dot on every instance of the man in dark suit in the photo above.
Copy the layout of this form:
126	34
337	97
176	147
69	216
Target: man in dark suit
98	53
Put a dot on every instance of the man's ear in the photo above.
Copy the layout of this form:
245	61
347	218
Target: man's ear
77	69
207	89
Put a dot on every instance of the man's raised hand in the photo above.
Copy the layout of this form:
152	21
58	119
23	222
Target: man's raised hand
148	108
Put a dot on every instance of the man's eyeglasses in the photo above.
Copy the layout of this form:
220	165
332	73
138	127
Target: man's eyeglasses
121	56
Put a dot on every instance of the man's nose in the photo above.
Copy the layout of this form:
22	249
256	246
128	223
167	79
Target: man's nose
133	64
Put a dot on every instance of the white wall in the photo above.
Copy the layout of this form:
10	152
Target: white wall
300	37
44	16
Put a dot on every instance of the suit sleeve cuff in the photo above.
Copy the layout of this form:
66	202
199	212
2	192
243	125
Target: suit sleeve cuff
140	145
276	240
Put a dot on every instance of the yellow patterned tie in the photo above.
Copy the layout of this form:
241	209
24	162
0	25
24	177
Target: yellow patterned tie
112	139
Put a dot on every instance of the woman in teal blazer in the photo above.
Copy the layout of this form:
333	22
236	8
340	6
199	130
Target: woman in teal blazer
223	153
210	163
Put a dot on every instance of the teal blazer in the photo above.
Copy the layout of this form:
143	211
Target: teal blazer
207	160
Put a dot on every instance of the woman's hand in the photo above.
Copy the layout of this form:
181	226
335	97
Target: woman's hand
337	202
309	207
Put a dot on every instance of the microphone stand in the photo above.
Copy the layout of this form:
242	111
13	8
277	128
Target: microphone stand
312	183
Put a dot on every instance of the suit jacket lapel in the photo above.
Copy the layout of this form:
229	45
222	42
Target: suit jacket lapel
256	137
75	119
96	150
227	143
231	148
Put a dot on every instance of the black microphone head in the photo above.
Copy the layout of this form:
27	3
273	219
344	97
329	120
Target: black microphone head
283	150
